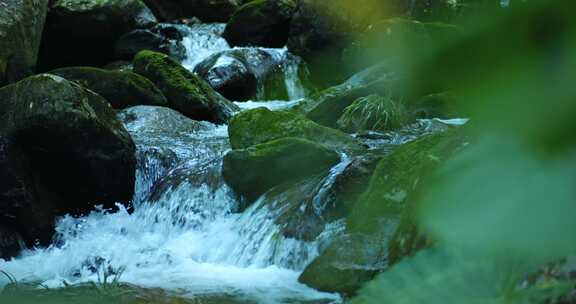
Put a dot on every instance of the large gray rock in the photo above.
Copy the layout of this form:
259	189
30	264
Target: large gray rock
21	24
62	151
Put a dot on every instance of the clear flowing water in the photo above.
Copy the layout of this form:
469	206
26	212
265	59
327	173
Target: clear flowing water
185	234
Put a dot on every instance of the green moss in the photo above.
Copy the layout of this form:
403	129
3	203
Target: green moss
375	113
398	176
255	170
440	105
348	263
121	89
186	92
261	125
380	229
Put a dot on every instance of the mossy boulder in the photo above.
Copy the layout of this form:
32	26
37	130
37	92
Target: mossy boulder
327	106
186	92
205	10
439	105
380	229
254	170
261	23
260	125
85	32
21	25
62	151
374	113
120	89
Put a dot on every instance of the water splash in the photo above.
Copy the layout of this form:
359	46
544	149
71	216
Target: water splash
184	234
201	41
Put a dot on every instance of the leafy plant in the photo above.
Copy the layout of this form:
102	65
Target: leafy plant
373	113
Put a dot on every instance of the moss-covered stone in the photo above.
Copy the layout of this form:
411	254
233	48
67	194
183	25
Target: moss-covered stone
21	24
254	170
261	23
121	89
185	91
261	125
62	150
327	106
439	105
348	262
84	32
380	227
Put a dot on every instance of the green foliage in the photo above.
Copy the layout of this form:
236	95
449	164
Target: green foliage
375	113
504	207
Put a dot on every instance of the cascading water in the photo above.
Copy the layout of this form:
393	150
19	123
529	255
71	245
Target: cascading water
185	234
203	40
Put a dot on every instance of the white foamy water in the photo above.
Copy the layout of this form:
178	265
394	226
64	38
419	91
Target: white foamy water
189	238
185	234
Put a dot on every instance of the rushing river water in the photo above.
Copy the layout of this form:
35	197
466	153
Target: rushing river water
185	234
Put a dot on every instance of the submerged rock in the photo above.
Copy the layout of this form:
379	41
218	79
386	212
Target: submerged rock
379	228
85	32
120	89
254	170
205	10
261	23
62	151
21	24
185	91
261	125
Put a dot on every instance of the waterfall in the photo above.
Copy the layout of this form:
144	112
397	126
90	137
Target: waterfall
203	40
184	233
